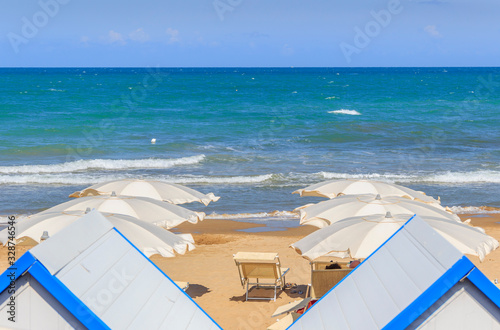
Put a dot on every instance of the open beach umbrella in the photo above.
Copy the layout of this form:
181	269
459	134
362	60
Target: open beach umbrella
358	237
146	209
163	191
335	188
325	213
148	238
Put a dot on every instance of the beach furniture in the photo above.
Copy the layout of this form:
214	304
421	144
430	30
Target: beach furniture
284	323
323	279
358	237
336	188
160	213
89	276
159	190
147	237
328	212
183	285
260	266
288	313
416	279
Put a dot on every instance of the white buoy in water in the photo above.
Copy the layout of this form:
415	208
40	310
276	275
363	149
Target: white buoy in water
153	141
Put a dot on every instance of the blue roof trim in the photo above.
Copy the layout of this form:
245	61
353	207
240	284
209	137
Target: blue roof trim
71	302
397	231
485	285
456	272
167	277
18	268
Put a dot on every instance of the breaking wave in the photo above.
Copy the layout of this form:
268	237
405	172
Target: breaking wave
345	112
449	177
474	209
88	179
274	215
101	164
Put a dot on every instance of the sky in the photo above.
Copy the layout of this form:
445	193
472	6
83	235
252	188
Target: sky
249	33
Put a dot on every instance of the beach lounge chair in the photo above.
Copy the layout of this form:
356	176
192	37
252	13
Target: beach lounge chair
260	266
322	279
183	285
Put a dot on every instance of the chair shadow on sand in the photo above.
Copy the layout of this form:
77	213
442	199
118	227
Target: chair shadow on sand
197	290
297	292
265	293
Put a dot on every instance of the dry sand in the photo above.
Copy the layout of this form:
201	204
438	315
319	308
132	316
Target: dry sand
213	276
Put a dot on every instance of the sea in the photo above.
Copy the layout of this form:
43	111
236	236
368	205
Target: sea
250	135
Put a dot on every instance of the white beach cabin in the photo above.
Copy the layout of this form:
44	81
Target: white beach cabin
90	276
415	280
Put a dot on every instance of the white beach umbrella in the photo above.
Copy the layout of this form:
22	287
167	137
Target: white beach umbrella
325	213
358	237
163	191
335	188
146	209
148	238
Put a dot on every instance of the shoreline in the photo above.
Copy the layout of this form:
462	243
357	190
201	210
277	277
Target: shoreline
213	276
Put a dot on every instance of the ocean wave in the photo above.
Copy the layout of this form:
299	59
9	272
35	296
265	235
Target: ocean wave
363	176
101	164
273	215
449	177
474	209
330	98
270	179
89	179
345	112
484	176
243	179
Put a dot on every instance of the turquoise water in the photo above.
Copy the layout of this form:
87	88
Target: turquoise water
251	136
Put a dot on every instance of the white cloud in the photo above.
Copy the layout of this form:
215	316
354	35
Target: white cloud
115	37
173	35
432	31
139	35
84	39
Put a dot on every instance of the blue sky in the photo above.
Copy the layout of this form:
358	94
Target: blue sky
254	33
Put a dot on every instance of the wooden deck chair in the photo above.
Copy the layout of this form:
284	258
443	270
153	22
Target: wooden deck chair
260	266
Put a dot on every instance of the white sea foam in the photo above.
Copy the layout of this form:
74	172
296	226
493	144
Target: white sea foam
345	112
363	176
76	177
474	209
449	177
101	164
243	179
273	215
330	97
89	179
483	176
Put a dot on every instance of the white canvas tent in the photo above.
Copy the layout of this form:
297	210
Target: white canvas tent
90	276
415	280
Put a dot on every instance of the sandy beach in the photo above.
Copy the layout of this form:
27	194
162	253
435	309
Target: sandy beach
213	276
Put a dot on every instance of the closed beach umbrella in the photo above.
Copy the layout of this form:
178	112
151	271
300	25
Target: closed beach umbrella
325	213
146	209
162	191
335	188
148	238
358	237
